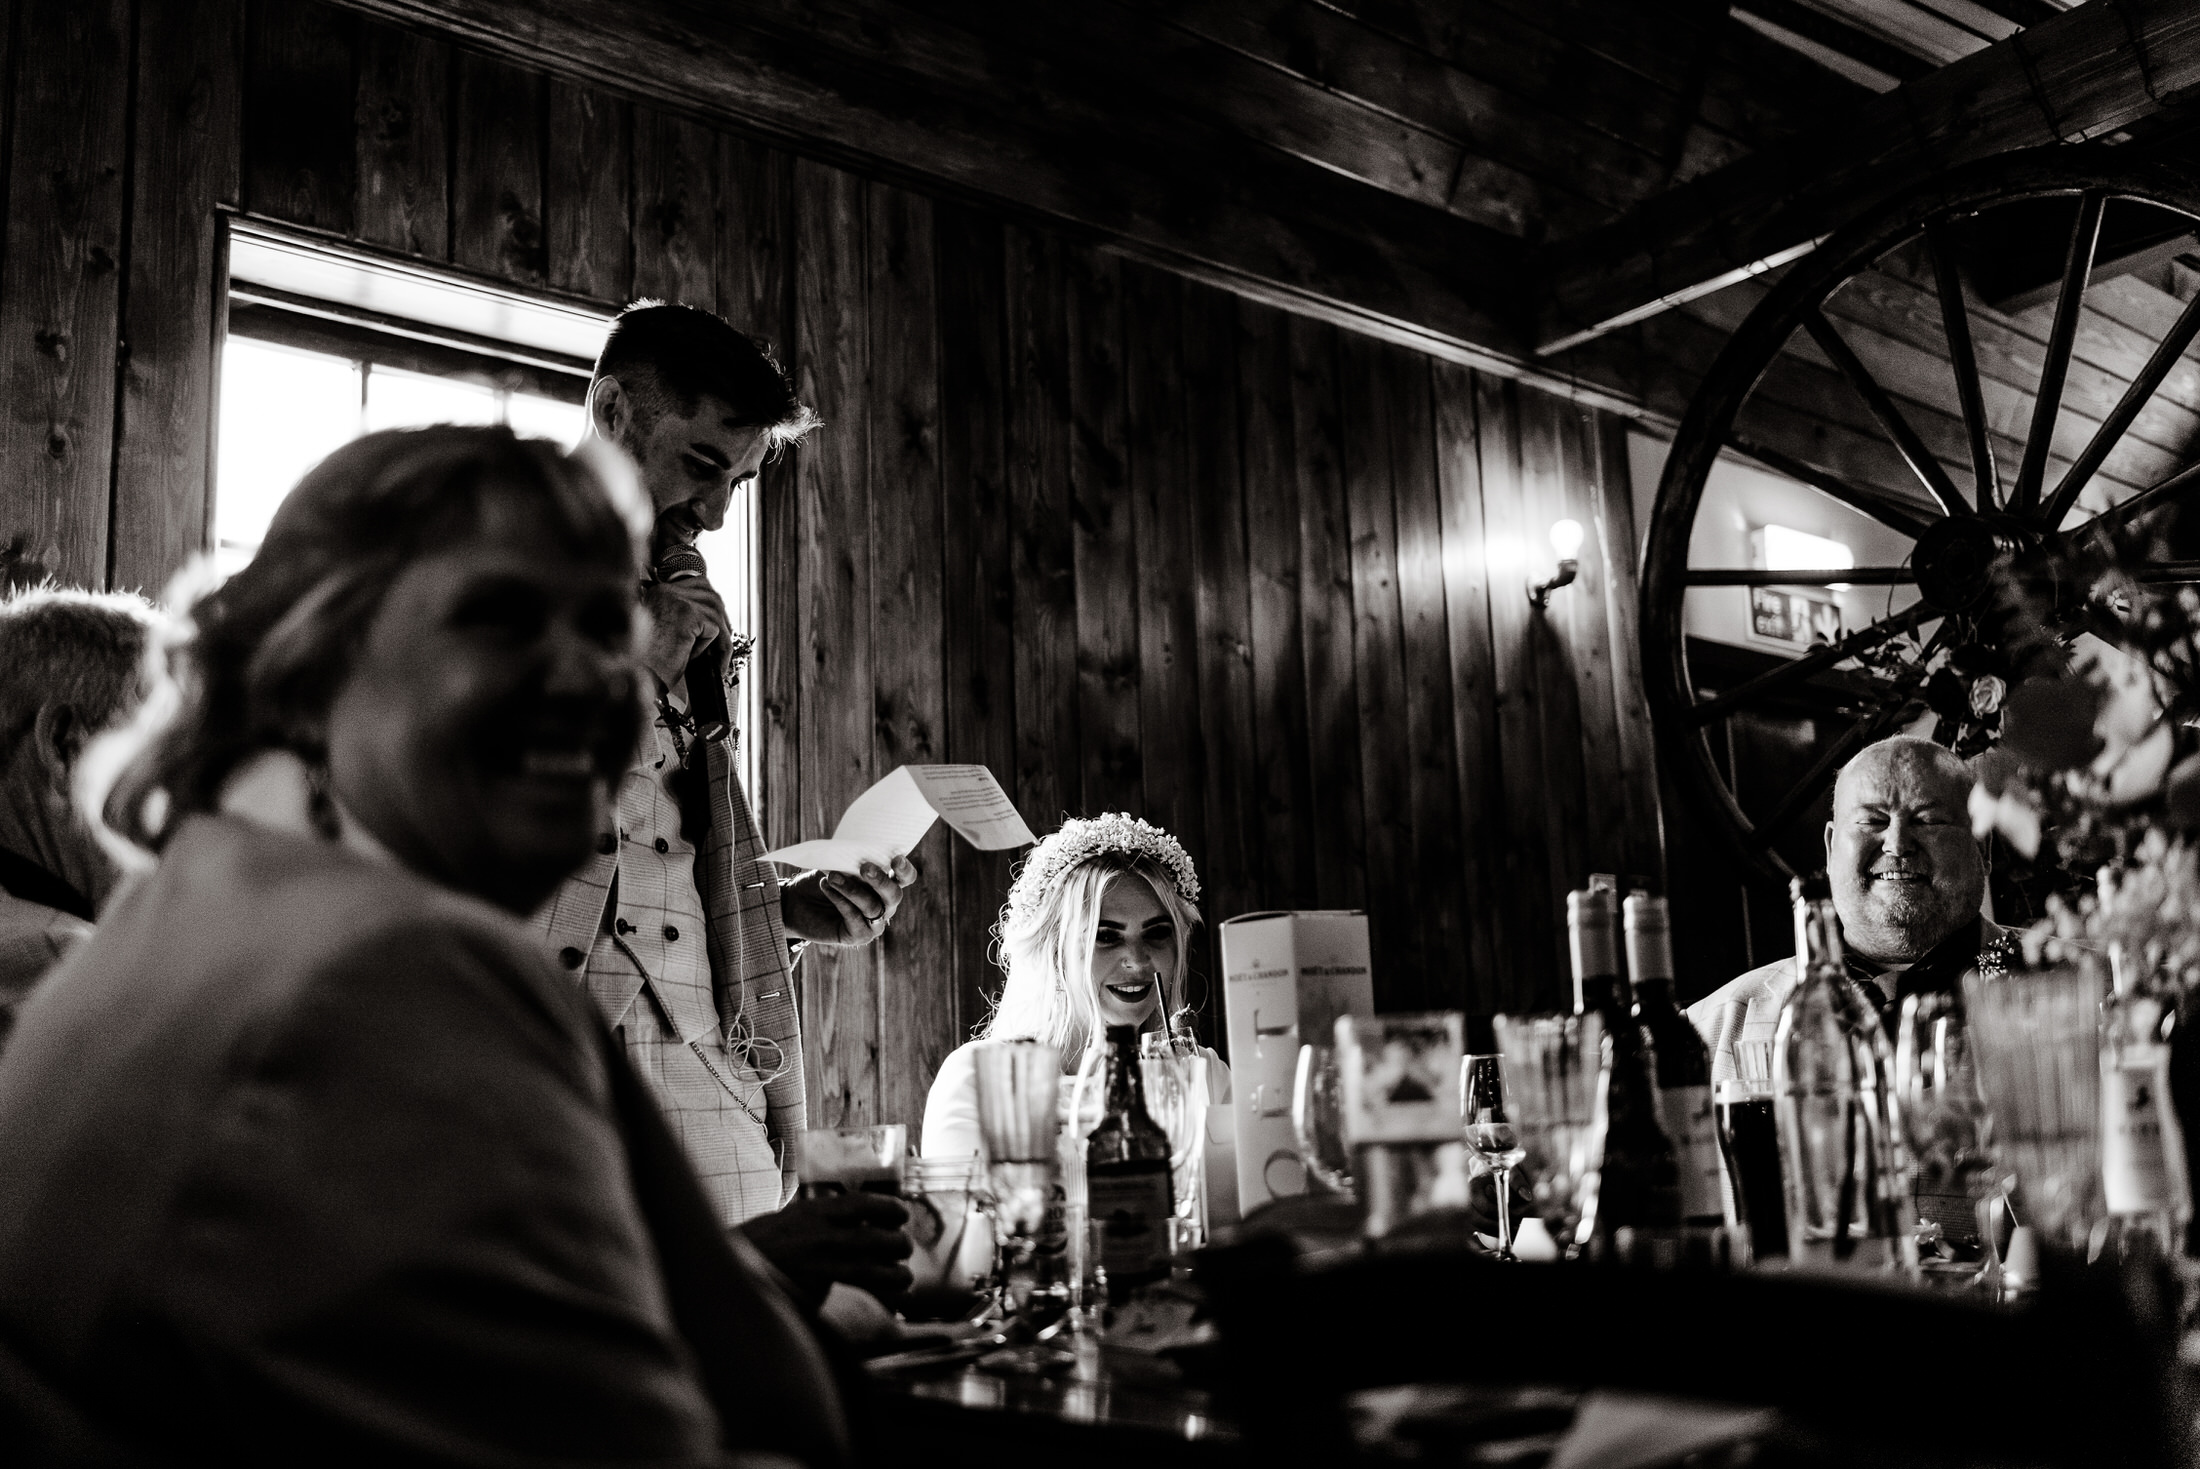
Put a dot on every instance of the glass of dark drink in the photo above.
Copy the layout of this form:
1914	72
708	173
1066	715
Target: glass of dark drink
842	1160
951	1264
1749	1142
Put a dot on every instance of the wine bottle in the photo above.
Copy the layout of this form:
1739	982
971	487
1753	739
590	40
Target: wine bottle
1639	1184
1681	1061
2142	1146
1841	1151
1129	1192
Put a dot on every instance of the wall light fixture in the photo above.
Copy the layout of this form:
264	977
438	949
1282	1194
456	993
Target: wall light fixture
1566	541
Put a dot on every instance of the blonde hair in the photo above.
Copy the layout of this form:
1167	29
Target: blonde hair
1044	948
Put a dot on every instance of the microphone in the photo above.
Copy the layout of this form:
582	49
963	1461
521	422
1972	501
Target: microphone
706	683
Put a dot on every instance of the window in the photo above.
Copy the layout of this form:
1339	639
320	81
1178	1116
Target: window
326	343
286	406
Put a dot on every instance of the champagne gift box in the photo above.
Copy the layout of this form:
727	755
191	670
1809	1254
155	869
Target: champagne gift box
1286	978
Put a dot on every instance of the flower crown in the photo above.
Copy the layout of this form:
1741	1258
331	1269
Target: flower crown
1081	839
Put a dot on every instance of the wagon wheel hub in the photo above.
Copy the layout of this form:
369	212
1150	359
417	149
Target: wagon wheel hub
1956	558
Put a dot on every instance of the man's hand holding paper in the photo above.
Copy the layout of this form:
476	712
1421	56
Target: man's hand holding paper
844	908
864	865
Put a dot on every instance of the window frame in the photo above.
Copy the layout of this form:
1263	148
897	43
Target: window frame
263	312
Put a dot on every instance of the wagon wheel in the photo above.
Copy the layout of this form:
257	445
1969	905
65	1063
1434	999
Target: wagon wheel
1959	525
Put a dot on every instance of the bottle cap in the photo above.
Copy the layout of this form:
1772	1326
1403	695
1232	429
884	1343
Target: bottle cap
1589	926
1649	937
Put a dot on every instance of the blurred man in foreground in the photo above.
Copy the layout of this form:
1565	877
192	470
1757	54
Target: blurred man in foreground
1908	880
69	669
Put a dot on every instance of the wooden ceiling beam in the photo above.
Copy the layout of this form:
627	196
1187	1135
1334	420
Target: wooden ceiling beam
2081	74
902	91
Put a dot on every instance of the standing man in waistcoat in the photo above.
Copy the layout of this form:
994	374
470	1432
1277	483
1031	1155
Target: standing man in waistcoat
679	929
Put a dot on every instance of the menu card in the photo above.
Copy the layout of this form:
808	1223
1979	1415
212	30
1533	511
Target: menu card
889	819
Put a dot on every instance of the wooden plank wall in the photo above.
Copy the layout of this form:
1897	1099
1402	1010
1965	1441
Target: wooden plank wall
1130	541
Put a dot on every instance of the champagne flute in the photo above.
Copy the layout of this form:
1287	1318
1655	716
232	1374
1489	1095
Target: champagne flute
1317	1120
1490	1133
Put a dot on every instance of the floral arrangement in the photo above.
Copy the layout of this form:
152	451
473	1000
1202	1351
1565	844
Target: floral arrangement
2088	756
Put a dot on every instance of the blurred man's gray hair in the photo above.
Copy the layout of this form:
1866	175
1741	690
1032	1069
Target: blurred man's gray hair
62	646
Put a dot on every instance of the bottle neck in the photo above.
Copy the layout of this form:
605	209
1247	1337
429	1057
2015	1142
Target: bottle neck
1650	951
1126	1081
2123	974
1597	982
1818	950
1600	992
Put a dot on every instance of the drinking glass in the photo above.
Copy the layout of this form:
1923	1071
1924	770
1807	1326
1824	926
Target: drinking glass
1749	1144
1019	1089
1553	1064
1491	1134
2035	1037
951	1263
1175	1073
841	1160
1317	1119
1945	1118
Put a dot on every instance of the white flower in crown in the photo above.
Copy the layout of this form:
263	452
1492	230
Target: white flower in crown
1081	839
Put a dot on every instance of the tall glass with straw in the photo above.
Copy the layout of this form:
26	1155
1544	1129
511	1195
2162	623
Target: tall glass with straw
1175	1074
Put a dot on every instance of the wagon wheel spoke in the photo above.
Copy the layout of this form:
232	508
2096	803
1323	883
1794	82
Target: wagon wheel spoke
1910	520
1806	790
2024	497
2120	419
2146	502
1861	576
1928	470
1955	318
1802	668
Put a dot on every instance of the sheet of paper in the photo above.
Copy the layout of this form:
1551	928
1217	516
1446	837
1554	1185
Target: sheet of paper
889	819
971	801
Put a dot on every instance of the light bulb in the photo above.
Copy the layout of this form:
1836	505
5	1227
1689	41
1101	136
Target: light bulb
1566	538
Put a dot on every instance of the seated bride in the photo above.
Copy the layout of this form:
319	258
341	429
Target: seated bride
1094	934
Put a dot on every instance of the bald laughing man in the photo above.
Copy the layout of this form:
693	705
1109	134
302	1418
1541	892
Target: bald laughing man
1908	880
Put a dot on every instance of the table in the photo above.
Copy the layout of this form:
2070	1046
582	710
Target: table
1110	1408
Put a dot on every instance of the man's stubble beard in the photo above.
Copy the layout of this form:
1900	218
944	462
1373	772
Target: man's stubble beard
1901	927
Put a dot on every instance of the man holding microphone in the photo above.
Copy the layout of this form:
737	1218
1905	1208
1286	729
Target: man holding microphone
678	927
